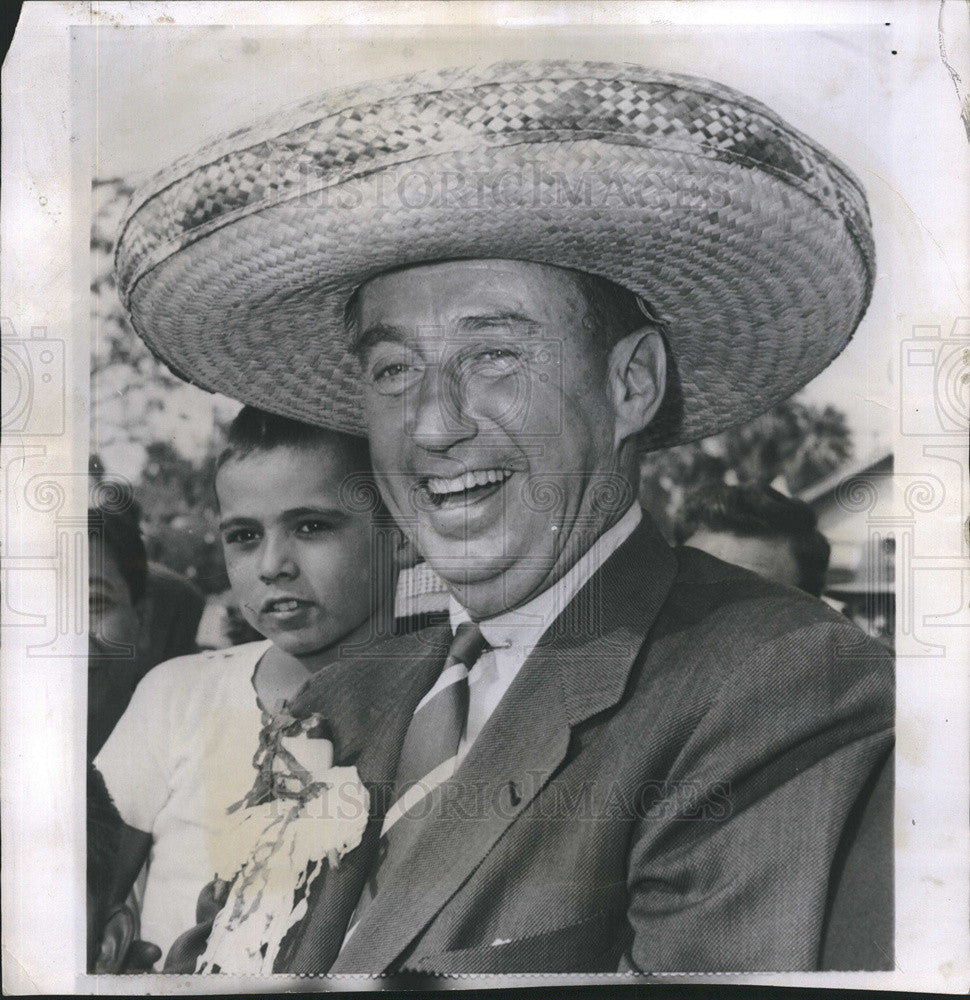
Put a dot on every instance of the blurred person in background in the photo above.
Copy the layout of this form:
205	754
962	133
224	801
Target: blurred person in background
172	606
869	597
759	529
173	611
117	576
112	931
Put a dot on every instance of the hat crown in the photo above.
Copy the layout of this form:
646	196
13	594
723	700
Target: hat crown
352	131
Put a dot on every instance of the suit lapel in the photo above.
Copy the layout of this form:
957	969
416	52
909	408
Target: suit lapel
368	701
580	667
523	743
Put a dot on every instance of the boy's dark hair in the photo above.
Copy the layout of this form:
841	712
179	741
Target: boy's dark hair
103	836
255	430
761	512
121	536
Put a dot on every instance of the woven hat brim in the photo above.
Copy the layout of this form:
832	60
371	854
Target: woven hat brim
758	285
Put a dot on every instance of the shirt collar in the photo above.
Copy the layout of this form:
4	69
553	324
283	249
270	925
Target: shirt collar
523	626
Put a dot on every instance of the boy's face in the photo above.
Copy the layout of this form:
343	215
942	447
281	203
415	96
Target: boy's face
299	561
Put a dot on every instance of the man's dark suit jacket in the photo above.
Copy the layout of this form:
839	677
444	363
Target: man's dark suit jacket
688	774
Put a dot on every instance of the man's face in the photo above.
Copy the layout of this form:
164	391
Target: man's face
772	558
300	562
491	422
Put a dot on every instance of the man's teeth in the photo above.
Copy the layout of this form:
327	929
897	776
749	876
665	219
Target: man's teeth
466	481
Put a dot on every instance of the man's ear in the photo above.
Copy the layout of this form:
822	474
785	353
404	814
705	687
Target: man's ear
119	931
637	374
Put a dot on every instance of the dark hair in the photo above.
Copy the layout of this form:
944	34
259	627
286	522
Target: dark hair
761	512
612	311
255	430
121	536
103	837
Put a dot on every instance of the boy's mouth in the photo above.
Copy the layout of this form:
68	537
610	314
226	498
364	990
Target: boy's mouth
467	488
284	606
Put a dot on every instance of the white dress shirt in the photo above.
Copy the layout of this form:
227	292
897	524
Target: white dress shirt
514	634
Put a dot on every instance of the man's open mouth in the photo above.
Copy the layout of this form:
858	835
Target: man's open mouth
468	488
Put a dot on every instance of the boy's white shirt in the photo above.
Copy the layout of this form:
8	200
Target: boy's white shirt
179	757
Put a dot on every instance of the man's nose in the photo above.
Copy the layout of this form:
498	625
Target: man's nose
276	560
437	415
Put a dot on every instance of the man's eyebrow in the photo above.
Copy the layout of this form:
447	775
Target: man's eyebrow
487	321
475	322
374	334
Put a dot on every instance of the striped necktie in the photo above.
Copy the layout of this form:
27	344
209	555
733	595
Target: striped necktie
430	747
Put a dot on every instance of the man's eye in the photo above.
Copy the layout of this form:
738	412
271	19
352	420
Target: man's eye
390	372
499	354
494	362
391	378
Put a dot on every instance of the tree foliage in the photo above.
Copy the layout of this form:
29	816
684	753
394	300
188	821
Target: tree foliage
167	433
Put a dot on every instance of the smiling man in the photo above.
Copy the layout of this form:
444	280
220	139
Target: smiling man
498	409
615	757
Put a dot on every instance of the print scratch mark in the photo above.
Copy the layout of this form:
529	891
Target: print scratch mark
963	96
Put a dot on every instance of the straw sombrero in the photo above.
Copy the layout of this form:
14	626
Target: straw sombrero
749	242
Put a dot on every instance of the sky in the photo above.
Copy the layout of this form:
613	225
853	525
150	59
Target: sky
160	92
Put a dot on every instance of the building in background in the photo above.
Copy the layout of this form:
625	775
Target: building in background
852	506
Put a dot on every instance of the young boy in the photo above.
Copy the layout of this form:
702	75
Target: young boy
314	571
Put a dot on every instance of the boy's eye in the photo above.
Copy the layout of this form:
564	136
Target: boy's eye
311	528
239	536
